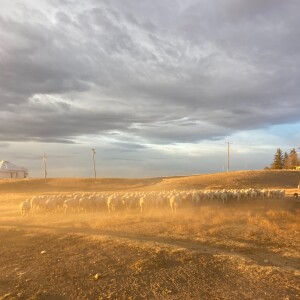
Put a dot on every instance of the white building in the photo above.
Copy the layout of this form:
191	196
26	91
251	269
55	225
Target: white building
9	170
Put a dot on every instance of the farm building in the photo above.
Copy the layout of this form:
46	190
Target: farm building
9	170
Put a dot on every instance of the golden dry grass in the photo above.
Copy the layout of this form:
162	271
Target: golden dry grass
288	179
258	240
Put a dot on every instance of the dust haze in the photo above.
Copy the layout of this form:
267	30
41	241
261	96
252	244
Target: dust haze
234	249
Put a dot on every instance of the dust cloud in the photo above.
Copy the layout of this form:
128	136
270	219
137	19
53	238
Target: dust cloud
237	250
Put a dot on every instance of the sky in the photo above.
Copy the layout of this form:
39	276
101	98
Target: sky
157	87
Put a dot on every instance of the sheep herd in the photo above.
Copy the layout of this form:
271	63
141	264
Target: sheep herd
139	201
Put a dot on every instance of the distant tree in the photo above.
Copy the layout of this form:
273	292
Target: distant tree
285	160
278	160
292	160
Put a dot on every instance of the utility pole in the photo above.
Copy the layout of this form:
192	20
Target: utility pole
299	180
228	155
45	165
94	152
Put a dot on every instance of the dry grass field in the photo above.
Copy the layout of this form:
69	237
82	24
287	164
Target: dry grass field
245	250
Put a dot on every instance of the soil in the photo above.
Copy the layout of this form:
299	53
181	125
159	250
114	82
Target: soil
244	250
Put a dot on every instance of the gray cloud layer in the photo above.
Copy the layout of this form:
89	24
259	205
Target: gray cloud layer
164	71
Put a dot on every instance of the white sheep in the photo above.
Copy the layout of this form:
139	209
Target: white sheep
50	205
25	207
71	205
223	196
175	202
112	202
142	203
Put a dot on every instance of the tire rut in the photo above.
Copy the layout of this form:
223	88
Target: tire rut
258	255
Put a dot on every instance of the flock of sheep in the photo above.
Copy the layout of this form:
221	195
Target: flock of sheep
90	202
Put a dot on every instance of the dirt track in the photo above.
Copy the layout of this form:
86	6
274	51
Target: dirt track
132	270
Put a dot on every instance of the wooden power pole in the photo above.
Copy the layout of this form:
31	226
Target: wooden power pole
94	153
45	165
228	155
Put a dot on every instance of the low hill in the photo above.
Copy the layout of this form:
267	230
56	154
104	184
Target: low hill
239	179
236	180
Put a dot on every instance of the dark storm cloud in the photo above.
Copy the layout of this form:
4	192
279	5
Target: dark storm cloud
164	73
60	122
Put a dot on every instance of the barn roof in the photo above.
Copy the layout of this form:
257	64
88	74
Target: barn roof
6	166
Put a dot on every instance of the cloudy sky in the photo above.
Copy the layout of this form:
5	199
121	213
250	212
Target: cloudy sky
156	87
